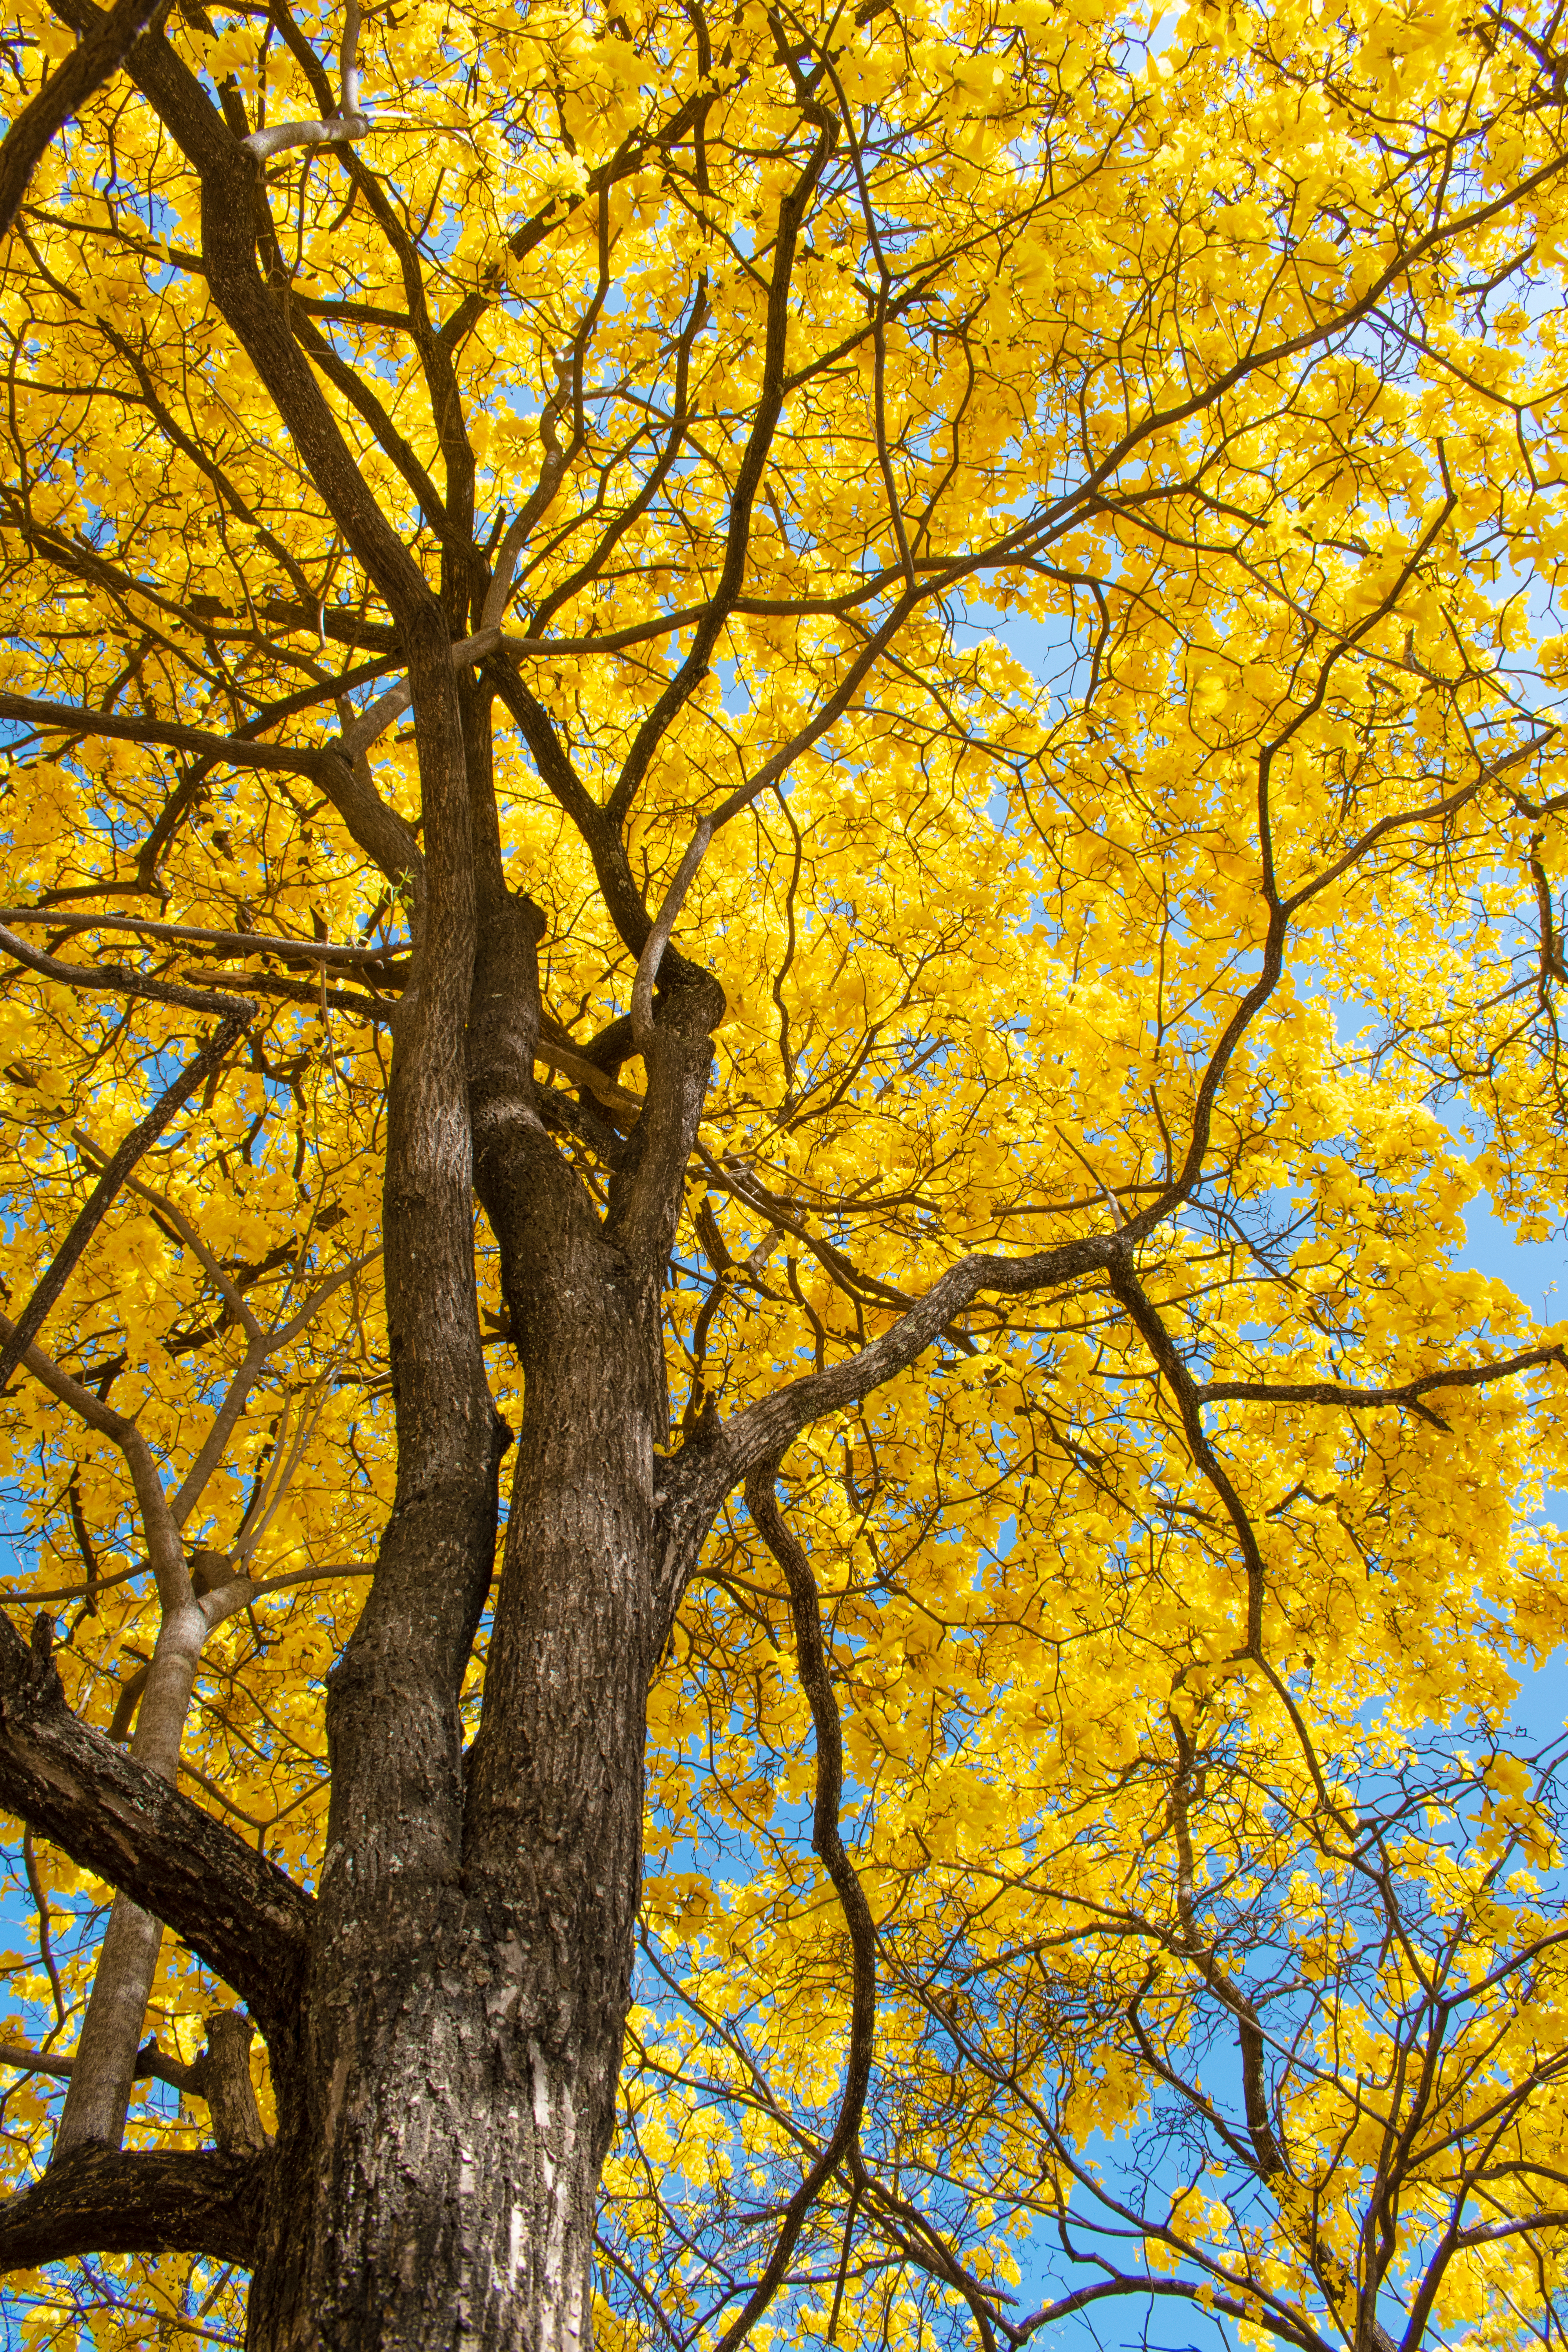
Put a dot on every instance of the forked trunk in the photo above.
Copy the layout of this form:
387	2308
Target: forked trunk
452	2098
437	2181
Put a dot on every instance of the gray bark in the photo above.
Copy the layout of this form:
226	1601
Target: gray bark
105	2062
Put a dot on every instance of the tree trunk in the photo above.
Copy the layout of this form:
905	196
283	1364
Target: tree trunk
452	2203
438	2187
440	2152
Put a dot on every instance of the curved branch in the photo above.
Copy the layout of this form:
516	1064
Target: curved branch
763	1504
349	123
386	838
339	129
699	1476
114	1817
166	1555
238	943
1145	1315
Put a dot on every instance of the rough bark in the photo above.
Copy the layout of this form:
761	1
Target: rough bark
164	2201
221	2076
376	2121
466	2011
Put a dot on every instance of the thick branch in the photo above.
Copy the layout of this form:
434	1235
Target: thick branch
220	2076
658	938
90	64
159	2202
646	1193
114	1817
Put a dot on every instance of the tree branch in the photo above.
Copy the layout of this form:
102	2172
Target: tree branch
385	837
238	752
114	1816
220	2076
116	1170
811	1650
658	938
699	1476
240	943
1410	1392
239	1009
90	64
205	2201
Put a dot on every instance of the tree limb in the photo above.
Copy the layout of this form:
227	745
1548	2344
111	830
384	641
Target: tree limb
215	2079
116	1170
239	1009
100	54
1462	1375
205	2201
806	1608
699	1476
240	751
114	1817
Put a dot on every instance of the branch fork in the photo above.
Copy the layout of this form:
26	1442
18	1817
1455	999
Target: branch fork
349	123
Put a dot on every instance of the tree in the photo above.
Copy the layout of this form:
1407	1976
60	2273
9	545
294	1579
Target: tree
941	1193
